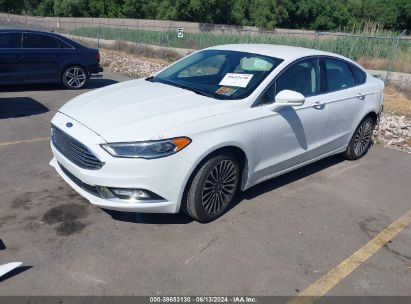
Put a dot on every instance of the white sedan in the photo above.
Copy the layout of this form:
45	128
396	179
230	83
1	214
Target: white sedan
216	122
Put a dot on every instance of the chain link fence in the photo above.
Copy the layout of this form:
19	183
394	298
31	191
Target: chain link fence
387	54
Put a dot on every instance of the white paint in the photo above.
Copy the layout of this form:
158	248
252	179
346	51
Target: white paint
6	268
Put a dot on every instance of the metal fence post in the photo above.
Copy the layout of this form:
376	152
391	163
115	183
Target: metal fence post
394	55
98	36
316	36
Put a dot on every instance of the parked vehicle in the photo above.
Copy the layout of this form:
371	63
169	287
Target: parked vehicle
28	56
216	122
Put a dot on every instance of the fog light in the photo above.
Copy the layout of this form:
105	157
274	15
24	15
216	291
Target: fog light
131	194
105	192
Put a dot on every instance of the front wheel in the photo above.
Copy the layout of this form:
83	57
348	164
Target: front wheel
361	140
74	77
213	188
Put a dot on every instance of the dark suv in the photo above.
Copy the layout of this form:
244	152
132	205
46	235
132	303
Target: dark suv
28	56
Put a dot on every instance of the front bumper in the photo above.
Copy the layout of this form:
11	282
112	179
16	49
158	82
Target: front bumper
166	177
143	206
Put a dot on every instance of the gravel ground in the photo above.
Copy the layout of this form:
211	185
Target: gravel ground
129	64
393	130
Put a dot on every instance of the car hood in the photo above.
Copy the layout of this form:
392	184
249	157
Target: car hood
140	110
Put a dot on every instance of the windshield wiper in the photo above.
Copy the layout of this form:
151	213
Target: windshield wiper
197	91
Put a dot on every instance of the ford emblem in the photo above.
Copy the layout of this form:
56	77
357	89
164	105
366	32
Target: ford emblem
69	125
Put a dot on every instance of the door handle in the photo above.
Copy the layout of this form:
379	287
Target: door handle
360	96
318	104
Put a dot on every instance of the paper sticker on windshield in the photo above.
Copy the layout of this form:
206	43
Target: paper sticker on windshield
226	91
236	80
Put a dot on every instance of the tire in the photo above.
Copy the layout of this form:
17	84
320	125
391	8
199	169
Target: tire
74	77
361	140
213	188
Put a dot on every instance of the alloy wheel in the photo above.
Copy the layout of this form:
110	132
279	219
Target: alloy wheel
75	77
363	137
219	187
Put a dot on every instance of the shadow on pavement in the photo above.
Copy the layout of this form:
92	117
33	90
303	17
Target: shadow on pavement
251	193
2	246
14	272
149	218
288	178
99	83
93	83
12	107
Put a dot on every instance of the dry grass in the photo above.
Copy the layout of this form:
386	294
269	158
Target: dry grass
396	102
146	51
373	63
402	64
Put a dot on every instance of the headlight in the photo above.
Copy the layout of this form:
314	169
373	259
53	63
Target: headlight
147	149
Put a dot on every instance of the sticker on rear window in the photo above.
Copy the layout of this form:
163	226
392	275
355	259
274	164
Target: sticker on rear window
236	80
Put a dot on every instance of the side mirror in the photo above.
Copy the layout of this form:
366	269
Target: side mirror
288	98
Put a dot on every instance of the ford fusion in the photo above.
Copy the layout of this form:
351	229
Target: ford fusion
212	124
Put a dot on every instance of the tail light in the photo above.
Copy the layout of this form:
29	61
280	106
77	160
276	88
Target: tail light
98	56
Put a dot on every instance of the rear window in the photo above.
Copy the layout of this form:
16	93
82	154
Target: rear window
40	41
64	45
360	76
10	41
339	75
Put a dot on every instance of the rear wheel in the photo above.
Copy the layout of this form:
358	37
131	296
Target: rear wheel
213	188
361	140
74	77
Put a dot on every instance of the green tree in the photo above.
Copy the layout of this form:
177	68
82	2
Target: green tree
404	15
264	13
44	8
240	12
105	8
134	8
70	8
12	6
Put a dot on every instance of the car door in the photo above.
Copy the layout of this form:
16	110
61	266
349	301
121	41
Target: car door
11	58
293	135
346	97
42	55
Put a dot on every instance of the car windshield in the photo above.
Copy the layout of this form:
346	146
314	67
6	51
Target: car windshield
219	74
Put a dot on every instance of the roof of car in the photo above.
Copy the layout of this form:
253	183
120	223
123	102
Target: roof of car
273	50
17	29
10	30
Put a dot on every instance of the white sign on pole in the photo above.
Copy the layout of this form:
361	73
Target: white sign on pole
180	32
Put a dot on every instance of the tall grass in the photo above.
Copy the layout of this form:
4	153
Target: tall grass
365	44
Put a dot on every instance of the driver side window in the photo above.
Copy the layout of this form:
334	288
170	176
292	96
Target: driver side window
302	77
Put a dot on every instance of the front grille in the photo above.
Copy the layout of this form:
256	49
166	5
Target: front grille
74	150
89	188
